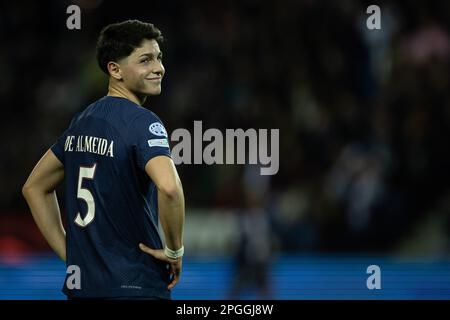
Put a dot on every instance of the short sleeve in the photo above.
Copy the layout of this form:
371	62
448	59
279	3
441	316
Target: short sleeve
148	138
58	146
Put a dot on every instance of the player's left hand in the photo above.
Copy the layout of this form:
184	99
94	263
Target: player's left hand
175	264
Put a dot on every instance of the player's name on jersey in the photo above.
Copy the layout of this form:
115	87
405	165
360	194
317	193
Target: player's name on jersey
90	144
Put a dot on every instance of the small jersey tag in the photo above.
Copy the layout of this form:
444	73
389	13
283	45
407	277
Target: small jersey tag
158	143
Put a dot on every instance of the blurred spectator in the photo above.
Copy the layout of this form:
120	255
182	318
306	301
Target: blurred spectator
254	250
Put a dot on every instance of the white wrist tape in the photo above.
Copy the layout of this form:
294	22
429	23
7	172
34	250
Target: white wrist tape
174	254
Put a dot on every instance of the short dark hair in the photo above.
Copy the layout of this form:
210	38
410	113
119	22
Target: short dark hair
118	40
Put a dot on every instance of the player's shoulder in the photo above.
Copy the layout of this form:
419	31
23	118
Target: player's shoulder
129	109
142	114
87	111
145	118
118	110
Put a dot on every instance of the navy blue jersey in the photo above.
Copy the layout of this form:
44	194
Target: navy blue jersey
111	203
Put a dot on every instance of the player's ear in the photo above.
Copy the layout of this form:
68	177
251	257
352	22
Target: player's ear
114	70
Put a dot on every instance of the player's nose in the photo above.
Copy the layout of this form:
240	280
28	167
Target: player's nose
159	69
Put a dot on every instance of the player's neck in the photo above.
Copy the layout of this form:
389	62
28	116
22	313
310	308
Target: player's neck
117	90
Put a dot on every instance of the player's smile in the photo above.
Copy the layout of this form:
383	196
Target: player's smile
155	79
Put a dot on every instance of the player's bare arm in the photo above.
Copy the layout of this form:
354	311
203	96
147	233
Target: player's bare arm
39	192
163	173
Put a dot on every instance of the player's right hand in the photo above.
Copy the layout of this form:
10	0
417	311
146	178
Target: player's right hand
175	264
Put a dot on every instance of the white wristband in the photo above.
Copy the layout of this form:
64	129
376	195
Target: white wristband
174	254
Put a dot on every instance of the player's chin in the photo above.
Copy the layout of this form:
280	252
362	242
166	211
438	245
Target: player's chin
153	91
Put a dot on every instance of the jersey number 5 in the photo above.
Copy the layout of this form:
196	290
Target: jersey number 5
86	195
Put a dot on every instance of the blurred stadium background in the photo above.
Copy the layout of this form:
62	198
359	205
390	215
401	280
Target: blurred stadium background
364	119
